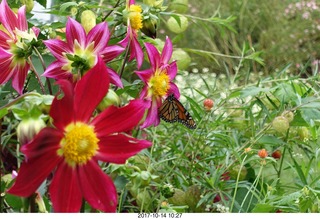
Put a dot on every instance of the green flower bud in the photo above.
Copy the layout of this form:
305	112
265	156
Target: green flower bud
289	115
110	99
149	27
28	3
167	190
88	20
28	128
73	11
280	124
178	27
303	133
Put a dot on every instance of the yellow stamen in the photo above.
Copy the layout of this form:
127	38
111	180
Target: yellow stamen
80	144
159	84
135	17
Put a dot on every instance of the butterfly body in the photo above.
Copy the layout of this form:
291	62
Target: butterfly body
172	110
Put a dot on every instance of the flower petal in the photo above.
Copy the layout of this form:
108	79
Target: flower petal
3	40
152	115
57	48
19	76
62	110
118	148
100	35
114	78
5	66
36	168
97	188
56	71
153	55
167	51
136	51
111	52
65	190
90	90
172	70
145	75
7	17
174	90
115	119
22	20
74	31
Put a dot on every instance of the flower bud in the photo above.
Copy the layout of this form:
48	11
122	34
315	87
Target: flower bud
280	124
167	191
303	133
263	153
28	3
73	11
208	104
288	115
178	26
88	20
276	154
149	27
110	99
28	128
234	171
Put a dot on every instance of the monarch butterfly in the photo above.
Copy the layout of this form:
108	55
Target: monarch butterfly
172	110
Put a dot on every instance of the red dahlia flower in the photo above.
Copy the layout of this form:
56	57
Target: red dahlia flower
158	80
71	149
81	52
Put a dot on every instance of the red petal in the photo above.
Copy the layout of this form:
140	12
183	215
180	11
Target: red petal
111	52
19	77
167	51
97	188
100	36
145	75
62	110
3	40
7	17
90	90
115	119
65	190
153	55
33	172
118	148
55	71
152	116
136	51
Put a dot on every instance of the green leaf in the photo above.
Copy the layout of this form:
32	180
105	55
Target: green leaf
271	140
3	112
43	3
310	115
252	91
263	208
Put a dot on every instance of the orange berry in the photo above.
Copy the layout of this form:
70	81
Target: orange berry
263	153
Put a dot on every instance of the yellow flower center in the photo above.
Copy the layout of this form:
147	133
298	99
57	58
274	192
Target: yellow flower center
80	144
135	17
159	84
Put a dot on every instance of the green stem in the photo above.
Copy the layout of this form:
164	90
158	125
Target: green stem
37	75
124	62
19	98
107	15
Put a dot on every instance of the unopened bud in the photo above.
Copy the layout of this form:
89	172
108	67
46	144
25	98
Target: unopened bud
208	104
88	20
263	153
28	128
110	99
280	124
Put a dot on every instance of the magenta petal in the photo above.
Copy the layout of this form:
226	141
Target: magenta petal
114	119
137	52
111	52
172	70
74	31
100	36
97	188
90	90
5	65
152	116
167	51
153	55
114	78
55	71
7	17
145	75
132	2
65	190
3	40
19	77
22	20
174	90
118	148
57	48
33	172
62	110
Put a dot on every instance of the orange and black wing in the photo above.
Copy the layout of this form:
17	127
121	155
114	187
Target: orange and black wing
173	111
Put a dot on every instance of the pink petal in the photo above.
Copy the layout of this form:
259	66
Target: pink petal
22	20
145	75
152	116
7	17
115	119
97	188
3	40
90	90
48	139
118	148
33	172
65	191
136	51
19	76
114	78
174	90
111	52
132	2
172	70
74	31
153	55
57	48
100	36
62	111
5	65
55	71
36	31
167	51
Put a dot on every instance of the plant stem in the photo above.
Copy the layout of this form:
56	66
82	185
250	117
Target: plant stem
107	15
37	75
19	98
